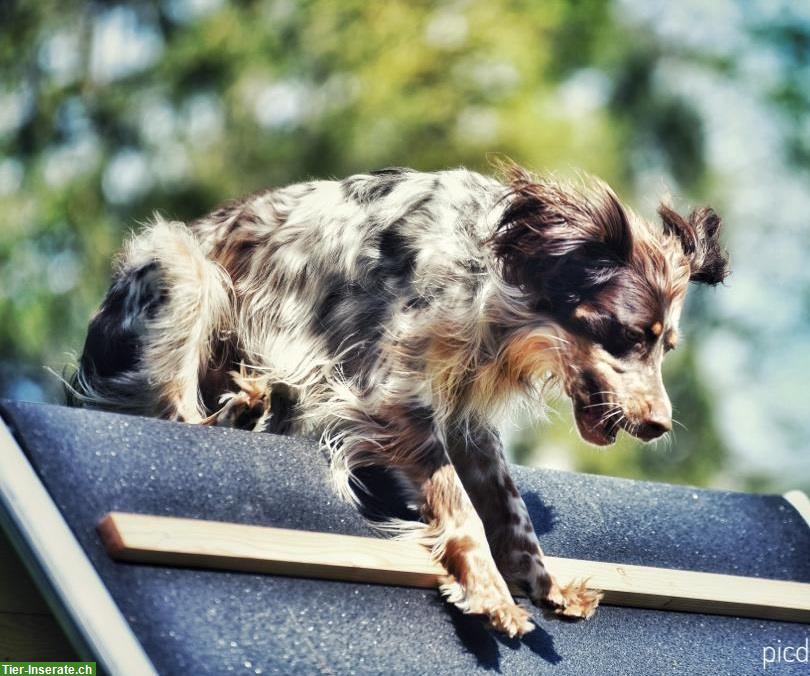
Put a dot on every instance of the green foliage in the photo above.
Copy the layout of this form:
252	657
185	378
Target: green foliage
364	85
245	95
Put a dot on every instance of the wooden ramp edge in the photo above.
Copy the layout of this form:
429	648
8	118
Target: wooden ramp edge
163	540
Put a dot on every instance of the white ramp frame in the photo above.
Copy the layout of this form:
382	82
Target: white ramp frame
73	589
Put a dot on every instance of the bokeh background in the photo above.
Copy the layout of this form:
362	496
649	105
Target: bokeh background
110	111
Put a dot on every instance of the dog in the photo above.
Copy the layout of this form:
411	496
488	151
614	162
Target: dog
398	315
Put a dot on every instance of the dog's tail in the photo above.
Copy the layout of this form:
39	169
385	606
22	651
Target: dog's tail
154	333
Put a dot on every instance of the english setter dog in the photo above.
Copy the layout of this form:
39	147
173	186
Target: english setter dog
397	315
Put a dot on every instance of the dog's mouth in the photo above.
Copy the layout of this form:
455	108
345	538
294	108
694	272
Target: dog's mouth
598	418
598	424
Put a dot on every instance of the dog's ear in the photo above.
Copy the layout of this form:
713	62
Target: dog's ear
554	236
699	236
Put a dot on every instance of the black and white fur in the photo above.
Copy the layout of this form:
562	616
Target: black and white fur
397	315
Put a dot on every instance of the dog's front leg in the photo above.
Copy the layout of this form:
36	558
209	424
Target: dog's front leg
478	456
460	544
406	439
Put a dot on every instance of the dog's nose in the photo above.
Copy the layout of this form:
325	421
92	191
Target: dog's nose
654	426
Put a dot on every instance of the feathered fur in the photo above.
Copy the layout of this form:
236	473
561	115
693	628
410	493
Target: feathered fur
397	315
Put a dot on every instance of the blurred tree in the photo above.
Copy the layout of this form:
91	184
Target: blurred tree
111	111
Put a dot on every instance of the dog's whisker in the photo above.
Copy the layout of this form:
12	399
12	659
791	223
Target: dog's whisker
680	424
617	423
614	409
608	416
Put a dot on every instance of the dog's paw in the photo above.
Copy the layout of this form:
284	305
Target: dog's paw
511	619
244	409
502	613
574	601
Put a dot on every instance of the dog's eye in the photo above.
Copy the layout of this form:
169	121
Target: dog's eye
633	336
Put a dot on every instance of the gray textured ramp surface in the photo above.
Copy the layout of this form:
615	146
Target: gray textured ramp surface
214	622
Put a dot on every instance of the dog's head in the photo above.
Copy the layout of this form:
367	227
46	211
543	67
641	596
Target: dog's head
612	286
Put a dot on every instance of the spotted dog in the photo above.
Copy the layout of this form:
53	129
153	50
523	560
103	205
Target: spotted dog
398	315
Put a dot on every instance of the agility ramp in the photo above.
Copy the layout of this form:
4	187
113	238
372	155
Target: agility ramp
181	619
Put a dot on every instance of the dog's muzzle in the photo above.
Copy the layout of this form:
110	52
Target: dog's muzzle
599	419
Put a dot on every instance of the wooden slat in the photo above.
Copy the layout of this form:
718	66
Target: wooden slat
18	594
28	631
208	544
212	544
33	637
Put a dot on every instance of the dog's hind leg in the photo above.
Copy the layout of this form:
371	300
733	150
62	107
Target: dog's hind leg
478	456
248	407
153	336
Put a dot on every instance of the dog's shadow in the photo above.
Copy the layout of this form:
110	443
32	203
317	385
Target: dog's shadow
382	497
485	644
544	517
